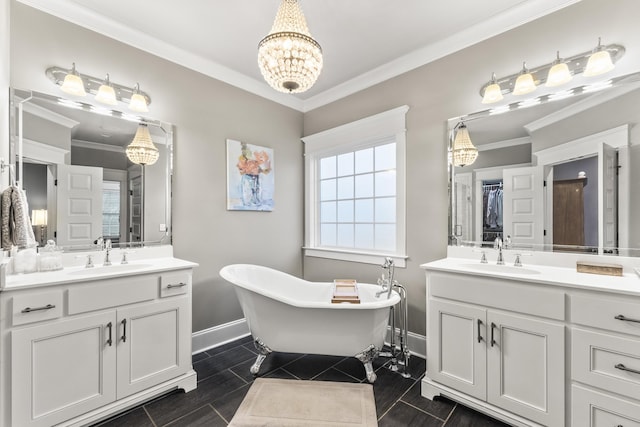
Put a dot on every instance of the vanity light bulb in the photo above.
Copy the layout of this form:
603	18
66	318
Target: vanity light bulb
138	103
106	94
492	93
599	63
73	84
524	84
558	75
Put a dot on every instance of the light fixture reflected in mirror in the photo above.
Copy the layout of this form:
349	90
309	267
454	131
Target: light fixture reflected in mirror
142	151
463	152
559	73
73	84
524	82
106	94
39	219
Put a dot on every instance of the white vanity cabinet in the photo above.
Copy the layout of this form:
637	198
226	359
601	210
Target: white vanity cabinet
536	345
75	353
605	361
489	345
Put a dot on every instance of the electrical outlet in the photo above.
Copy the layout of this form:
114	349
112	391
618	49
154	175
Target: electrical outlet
163	227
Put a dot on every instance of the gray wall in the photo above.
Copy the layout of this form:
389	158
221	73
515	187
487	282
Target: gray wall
205	113
441	90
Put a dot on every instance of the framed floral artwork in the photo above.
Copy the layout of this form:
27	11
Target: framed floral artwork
250	177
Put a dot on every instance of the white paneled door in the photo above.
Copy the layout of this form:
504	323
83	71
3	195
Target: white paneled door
79	205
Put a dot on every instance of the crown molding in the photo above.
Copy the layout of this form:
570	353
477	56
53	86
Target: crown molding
96	146
504	144
523	13
49	115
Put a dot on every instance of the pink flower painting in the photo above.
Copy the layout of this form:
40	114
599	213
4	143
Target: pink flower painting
250	179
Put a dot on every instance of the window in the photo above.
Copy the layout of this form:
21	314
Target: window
111	210
355	204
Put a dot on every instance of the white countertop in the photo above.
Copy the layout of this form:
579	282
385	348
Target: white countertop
628	284
99	272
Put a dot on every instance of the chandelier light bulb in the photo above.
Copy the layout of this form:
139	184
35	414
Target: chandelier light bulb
290	60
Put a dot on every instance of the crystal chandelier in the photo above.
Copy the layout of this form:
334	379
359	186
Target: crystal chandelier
142	151
289	58
463	152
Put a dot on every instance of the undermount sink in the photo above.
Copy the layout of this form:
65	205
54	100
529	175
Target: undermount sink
115	268
506	269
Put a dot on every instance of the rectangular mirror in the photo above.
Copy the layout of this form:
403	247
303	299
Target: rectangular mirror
70	159
556	172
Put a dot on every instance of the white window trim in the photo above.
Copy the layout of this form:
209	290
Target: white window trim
357	135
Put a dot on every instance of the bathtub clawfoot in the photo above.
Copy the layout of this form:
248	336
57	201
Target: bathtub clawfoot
366	357
263	351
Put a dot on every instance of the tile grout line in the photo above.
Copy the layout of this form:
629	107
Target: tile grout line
450	414
219	414
144	408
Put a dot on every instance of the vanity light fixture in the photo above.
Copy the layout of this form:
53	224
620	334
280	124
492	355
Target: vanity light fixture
290	60
599	62
557	73
493	92
142	151
524	82
106	93
73	84
138	102
92	85
463	152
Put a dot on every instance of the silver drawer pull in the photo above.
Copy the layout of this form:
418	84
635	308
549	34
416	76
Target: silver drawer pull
46	307
626	319
178	285
624	368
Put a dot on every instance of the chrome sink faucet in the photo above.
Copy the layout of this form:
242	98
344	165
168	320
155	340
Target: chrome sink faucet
107	252
498	245
105	245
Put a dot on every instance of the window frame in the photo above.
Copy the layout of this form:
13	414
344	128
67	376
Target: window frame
372	131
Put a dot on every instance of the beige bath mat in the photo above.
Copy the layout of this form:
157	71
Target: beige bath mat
276	402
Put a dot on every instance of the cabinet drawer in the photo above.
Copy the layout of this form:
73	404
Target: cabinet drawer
602	361
605	313
112	293
174	283
499	293
36	307
595	409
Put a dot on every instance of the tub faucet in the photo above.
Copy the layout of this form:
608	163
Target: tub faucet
387	283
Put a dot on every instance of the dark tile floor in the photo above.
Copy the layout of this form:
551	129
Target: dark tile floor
224	379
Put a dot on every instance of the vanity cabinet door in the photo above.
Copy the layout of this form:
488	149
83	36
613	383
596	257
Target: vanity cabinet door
154	344
62	369
525	367
456	352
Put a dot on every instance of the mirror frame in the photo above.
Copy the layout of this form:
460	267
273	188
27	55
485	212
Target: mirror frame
18	97
631	78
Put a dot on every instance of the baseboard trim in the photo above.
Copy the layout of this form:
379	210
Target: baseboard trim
218	335
222	334
417	343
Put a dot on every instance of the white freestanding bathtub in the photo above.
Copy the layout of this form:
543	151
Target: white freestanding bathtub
288	314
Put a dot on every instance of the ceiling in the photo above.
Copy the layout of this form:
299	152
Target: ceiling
364	42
